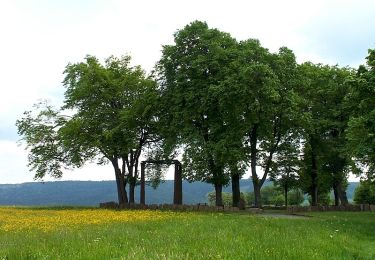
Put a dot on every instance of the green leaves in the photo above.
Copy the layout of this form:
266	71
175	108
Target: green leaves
227	104
110	108
191	72
361	127
40	132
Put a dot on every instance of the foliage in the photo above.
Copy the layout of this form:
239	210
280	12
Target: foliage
295	197
226	106
271	195
360	134
325	161
110	119
227	198
278	200
365	193
323	199
264	90
286	166
40	131
191	72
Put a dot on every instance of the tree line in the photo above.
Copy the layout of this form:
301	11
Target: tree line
271	196
225	106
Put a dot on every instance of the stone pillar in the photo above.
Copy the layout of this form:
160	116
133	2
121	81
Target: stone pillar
142	195
177	196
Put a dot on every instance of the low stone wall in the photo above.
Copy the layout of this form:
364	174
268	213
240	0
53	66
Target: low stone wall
360	207
108	205
197	207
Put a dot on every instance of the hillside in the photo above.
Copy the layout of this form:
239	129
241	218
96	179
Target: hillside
90	193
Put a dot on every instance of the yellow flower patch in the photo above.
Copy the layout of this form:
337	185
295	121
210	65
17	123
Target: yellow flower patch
18	219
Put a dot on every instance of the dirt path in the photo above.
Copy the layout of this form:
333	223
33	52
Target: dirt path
282	215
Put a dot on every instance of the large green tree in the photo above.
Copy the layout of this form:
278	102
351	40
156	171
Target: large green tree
361	130
267	102
286	166
325	159
191	72
110	120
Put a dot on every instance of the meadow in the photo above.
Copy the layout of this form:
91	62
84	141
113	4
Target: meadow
90	233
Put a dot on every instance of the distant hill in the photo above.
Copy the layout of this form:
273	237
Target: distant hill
350	190
91	193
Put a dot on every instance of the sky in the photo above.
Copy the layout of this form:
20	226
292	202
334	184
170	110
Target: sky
39	38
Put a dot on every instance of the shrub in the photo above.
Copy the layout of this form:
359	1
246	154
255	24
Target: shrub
295	197
268	195
271	195
365	193
250	198
227	198
278	200
323	199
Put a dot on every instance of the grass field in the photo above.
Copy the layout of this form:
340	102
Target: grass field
39	233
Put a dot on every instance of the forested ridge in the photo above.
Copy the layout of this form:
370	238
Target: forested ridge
91	193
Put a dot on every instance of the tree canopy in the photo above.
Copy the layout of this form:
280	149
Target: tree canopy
191	72
361	130
110	120
229	107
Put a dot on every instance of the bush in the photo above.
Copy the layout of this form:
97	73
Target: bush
295	197
365	193
268	195
278	200
227	198
323	199
249	198
271	195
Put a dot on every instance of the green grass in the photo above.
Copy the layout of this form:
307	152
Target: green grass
333	235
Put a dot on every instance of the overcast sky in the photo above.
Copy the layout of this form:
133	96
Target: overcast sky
39	38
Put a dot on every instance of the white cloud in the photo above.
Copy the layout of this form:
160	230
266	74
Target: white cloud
13	163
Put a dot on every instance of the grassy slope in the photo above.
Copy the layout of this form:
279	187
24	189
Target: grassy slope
206	236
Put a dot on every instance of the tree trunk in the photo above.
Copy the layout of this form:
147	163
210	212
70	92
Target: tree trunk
177	191
218	193
257	194
336	194
120	196
342	195
132	164
135	176
314	178
131	192
217	175
236	193
253	162
314	196
123	183
142	196
286	196
120	182
131	181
